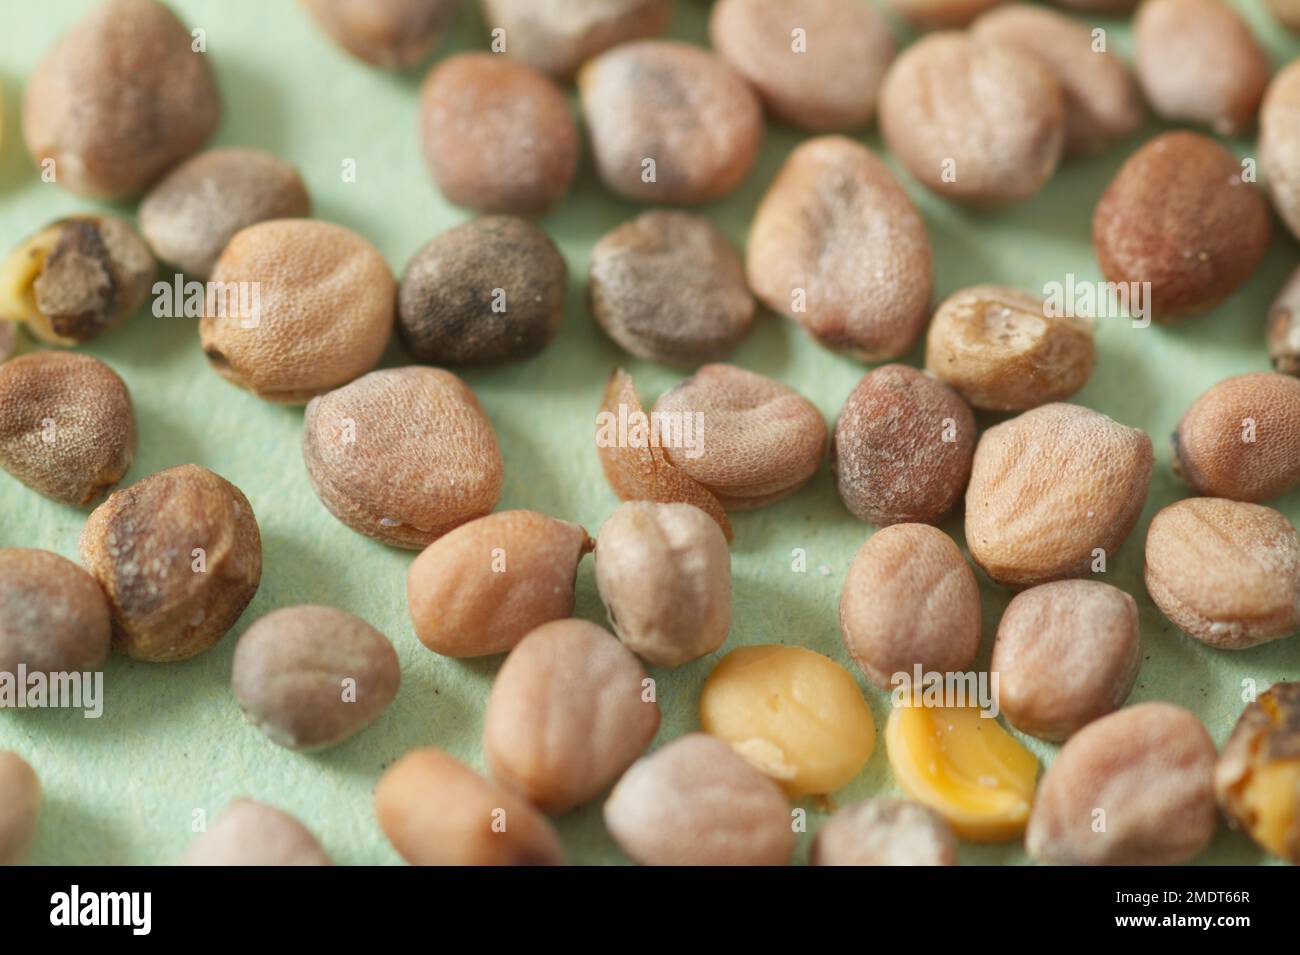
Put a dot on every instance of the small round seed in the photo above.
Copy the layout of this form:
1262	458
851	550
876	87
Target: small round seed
402	455
1054	493
1132	788
309	677
910	599
558	36
670	123
569	712
1225	572
436	811
67	428
191	215
668	286
179	557
1199	63
940	14
481	588
1002	351
1279	144
1066	654
664	574
119	99
1257	779
884	831
759	440
902	448
474	105
20	806
697	802
392	34
53	616
817	65
1284	328
254	834
837	245
993	135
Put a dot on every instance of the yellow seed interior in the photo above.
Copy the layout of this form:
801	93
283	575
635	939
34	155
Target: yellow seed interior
18	275
1269	799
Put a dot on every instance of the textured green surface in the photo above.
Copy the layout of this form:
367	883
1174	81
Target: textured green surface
123	789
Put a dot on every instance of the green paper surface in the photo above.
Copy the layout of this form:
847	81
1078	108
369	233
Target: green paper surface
172	745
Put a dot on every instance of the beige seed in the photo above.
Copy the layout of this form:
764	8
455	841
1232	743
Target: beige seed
910	599
664	574
251	833
1284	328
481	588
1257	779
558	36
570	710
179	557
884	831
1225	572
1132	788
402	455
1279	144
67	428
941	14
20	805
53	616
392	34
837	245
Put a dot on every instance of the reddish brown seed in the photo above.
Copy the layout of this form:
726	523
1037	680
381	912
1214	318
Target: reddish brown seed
53	616
1279	144
392	34
251	833
558	36
1284	327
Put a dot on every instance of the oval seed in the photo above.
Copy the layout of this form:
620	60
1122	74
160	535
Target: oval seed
191	215
482	587
402	455
1284	328
996	132
903	447
252	833
1257	779
837	245
1066	654
53	616
20	805
669	287
1054	493
488	290
1279	144
118	99
1225	572
757	440
669	122
884	831
474	105
310	677
664	575
558	36
436	811
314	310
67	428
179	557
392	34
1132	788
696	801
569	712
1002	351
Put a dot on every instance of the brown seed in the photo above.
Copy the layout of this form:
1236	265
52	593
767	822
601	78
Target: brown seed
392	34
664	575
191	215
1179	215
910	599
67	428
1132	788
251	833
1198	62
903	447
402	455
973	121
53	616
697	801
20	806
436	811
940	14
885	831
757	440
1279	144
558	36
488	290
817	65
1054	493
669	287
482	587
837	245
118	99
670	123
474	105
1002	350
179	557
1066	654
568	714
1287	13
1284	327
309	677
1225	572
76	278
1257	779
1101	99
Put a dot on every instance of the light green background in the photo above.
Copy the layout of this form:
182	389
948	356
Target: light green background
123	789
